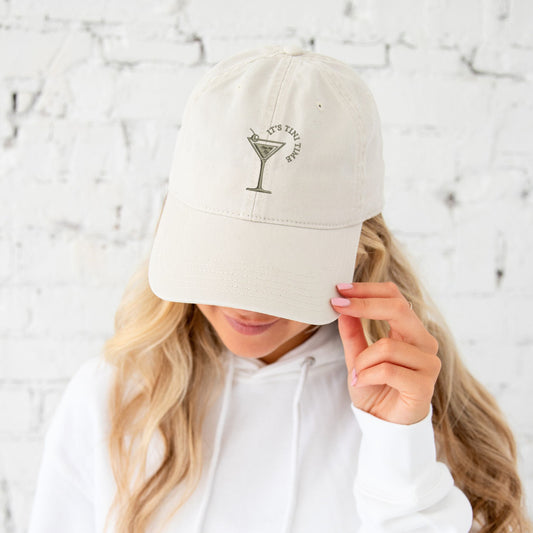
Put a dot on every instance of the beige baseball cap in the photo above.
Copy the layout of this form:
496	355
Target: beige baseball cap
277	164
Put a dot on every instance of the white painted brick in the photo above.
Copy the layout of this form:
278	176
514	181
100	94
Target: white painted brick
413	60
5	98
51	396
518	24
525	451
76	48
517	312
55	98
47	358
131	49
65	252
133	11
49	259
110	11
150	149
510	399
69	147
219	48
472	317
15	314
354	29
6	137
25	100
105	260
508	94
474	150
21	460
33	213
372	21
16	420
494	187
245	19
355	54
86	93
419	101
101	209
453	23
515	132
46	260
29	53
55	310
431	257
474	255
492	362
516	221
523	355
153	93
86	259
98	149
35	154
420	23
504	60
56	9
422	158
7	260
25	53
413	211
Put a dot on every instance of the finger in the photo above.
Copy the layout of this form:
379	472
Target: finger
388	350
353	338
369	289
404	323
389	289
409	383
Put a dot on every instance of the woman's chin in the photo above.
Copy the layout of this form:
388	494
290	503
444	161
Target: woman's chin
245	350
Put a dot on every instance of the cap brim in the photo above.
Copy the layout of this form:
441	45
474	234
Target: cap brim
279	270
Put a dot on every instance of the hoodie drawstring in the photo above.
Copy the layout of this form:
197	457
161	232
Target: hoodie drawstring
306	364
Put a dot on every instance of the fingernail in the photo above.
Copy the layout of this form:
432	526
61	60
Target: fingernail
354	377
344	286
340	302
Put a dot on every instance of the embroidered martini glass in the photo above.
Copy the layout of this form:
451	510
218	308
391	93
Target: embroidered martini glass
264	148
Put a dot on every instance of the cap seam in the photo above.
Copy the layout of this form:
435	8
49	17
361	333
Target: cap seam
338	86
296	223
275	106
208	82
280	87
331	78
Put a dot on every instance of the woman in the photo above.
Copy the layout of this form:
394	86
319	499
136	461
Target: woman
276	365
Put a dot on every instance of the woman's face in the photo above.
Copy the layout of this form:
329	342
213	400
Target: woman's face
248	334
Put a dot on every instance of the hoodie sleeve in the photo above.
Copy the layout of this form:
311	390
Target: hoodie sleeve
63	498
400	487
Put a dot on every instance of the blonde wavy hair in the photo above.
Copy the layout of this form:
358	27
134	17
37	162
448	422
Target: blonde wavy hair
165	356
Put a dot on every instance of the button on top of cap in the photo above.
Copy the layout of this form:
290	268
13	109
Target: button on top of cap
293	50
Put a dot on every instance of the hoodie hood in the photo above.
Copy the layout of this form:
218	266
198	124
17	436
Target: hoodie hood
323	348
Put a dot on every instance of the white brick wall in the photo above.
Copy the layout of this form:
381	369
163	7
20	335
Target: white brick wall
91	95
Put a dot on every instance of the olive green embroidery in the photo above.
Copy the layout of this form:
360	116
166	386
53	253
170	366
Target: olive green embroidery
264	148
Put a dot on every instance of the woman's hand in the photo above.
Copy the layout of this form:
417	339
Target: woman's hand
396	375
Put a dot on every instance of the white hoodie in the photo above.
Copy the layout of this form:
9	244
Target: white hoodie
285	451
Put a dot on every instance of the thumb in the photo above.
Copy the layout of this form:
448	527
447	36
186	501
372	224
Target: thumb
353	338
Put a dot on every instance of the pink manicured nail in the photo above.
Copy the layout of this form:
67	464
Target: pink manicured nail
354	377
340	302
344	286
